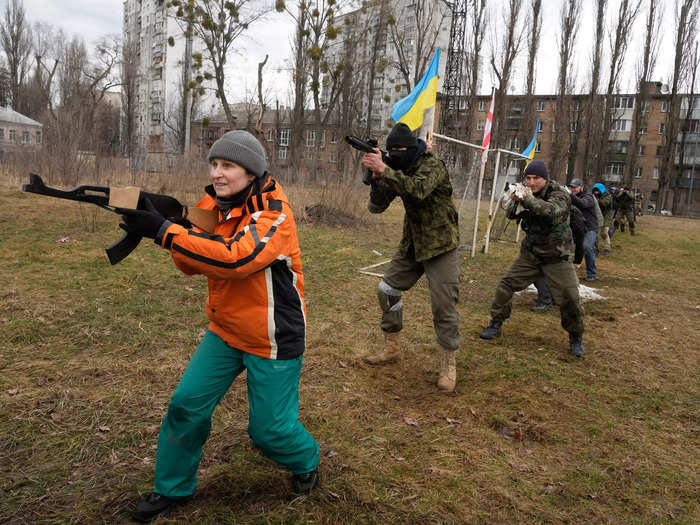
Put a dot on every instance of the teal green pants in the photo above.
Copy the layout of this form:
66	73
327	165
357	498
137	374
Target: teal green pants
273	423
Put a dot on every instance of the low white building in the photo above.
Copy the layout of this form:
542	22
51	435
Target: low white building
18	132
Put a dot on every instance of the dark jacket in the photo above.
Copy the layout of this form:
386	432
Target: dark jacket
430	223
546	223
585	201
624	201
578	230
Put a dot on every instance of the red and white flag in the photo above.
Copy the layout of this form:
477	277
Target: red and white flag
487	130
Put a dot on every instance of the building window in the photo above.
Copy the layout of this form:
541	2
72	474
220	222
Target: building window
646	108
2	133
540	126
13	135
482	106
321	138
655	175
573	127
624	103
620	125
640	150
480	124
158	74
660	151
282	154
310	138
284	138
538	147
643	129
25	137
270	135
662	128
616	169
514	144
577	105
617	146
334	157
541	105
638	173
664	106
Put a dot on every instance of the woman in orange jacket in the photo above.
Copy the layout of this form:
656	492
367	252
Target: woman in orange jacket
257	322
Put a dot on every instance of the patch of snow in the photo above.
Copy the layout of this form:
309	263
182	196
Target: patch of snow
586	293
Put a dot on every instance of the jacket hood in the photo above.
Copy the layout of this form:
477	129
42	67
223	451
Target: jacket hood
600	187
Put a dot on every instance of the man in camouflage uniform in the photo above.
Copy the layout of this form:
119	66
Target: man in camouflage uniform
429	244
547	249
605	203
625	209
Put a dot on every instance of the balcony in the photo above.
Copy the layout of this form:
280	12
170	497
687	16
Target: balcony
686	182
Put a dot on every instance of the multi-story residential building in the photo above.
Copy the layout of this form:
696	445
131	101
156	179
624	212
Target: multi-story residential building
406	24
149	29
650	151
18	133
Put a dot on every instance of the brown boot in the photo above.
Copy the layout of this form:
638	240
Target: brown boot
448	370
390	353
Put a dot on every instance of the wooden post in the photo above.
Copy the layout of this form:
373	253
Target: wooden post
484	158
493	191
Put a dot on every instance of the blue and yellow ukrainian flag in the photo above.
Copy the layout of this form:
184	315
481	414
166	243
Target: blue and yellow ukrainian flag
529	152
409	110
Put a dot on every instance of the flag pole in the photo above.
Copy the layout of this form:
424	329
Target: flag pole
484	157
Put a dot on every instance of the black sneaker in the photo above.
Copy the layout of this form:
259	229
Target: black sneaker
151	506
305	483
542	307
492	330
576	345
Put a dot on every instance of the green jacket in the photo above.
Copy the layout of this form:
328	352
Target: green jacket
430	223
624	201
546	223
606	206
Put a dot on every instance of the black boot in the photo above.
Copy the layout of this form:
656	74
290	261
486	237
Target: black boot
492	330
576	344
151	506
305	483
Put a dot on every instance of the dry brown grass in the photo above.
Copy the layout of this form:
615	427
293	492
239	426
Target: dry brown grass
90	354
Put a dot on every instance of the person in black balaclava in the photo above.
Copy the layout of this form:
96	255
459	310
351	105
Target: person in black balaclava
429	244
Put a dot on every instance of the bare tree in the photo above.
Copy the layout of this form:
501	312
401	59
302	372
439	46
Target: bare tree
570	14
592	109
502	59
129	93
534	29
688	125
645	70
16	39
619	35
414	49
686	32
217	24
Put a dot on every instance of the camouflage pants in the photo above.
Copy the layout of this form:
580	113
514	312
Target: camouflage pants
443	282
604	237
563	283
625	216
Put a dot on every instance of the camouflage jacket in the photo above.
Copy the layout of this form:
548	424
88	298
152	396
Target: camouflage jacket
606	206
546	223
430	222
624	201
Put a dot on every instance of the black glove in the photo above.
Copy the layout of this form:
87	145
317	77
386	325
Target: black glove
185	223
142	222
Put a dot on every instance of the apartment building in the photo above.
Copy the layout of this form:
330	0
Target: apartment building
359	28
18	133
160	69
650	151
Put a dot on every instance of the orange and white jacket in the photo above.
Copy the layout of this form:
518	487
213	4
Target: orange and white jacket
253	264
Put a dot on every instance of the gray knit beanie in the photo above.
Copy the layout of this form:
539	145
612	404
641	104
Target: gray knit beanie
243	148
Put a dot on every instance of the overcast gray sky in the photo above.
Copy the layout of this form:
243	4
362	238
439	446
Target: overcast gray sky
94	18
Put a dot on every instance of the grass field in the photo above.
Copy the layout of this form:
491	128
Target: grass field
90	354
